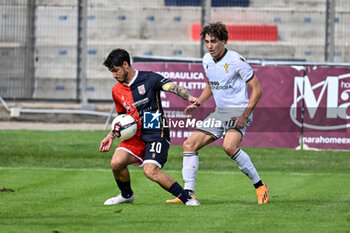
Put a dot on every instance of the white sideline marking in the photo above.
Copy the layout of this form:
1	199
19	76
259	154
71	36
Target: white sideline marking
170	171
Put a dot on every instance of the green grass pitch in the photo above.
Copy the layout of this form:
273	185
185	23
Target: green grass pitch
57	181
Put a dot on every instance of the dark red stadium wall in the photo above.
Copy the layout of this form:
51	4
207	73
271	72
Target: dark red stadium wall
276	121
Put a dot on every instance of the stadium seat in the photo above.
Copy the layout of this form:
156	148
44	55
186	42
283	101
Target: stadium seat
244	32
214	3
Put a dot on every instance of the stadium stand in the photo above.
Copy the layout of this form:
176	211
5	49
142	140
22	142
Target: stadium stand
159	28
243	32
214	3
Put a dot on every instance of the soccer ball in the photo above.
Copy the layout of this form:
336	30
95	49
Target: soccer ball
124	126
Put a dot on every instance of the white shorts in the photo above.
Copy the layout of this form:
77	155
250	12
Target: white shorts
217	124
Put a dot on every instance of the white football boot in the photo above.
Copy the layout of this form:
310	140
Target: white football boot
119	200
192	201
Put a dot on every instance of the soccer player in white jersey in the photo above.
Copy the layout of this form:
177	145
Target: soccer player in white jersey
228	75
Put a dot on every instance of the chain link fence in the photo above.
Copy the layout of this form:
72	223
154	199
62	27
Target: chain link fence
38	38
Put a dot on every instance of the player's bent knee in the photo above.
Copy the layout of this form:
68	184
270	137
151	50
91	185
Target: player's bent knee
229	149
150	171
116	166
189	145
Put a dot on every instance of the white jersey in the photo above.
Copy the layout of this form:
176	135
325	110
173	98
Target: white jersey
228	79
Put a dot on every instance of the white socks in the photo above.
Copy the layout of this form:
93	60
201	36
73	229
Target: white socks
189	170
245	165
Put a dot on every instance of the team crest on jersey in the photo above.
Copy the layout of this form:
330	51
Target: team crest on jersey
226	67
141	89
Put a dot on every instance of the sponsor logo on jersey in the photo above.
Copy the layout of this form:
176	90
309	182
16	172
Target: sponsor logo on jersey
242	59
128	107
141	101
216	85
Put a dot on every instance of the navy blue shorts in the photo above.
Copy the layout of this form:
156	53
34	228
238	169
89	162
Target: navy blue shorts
156	152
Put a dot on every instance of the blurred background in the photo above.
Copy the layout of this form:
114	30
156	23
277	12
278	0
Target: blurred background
40	39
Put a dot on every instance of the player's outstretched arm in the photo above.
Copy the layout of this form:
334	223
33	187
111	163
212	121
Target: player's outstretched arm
180	91
106	143
206	94
177	90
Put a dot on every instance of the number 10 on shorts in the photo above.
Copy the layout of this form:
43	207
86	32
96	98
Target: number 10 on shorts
156	147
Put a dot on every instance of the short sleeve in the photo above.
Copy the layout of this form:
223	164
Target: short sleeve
244	69
205	62
160	81
118	107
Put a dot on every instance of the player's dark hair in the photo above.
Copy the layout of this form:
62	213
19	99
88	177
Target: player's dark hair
216	29
116	58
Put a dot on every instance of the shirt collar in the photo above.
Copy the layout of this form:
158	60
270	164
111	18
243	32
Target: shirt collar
132	80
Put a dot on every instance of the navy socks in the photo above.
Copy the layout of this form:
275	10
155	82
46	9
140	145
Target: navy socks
125	188
179	192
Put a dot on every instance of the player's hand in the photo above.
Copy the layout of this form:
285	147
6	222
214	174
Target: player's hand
190	108
106	144
241	121
194	100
